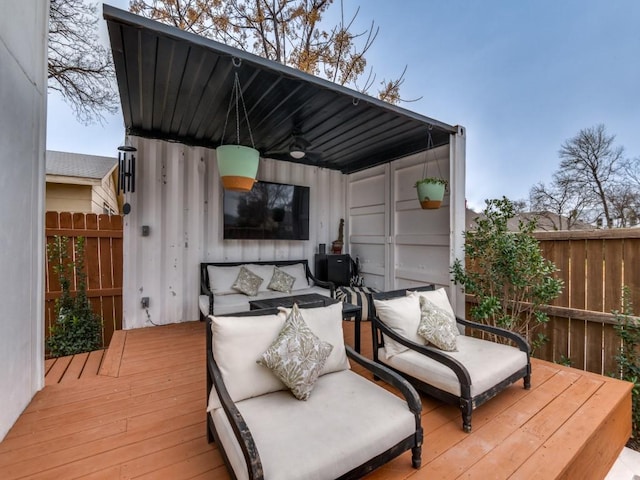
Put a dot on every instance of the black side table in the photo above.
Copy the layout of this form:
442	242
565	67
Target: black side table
349	310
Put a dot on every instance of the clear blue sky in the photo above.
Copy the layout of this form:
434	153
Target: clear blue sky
522	77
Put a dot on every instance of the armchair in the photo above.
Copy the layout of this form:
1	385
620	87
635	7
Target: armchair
468	377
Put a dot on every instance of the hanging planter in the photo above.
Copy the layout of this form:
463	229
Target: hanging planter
431	192
430	189
237	164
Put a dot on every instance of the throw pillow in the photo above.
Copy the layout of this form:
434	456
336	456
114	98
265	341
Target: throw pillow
439	298
326	323
281	281
247	282
360	296
402	315
297	356
437	326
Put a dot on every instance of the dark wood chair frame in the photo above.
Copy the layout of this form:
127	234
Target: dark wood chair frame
204	277
465	401
245	439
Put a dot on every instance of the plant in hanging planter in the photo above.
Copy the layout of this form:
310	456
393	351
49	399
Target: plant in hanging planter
431	191
237	164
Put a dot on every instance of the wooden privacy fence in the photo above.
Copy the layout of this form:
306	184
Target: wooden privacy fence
103	261
594	266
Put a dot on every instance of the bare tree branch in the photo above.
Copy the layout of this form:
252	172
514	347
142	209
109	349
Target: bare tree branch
78	66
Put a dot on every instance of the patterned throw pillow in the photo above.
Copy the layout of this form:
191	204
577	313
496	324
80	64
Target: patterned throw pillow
437	326
297	356
247	282
281	281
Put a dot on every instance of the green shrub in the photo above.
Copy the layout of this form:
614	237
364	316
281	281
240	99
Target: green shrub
507	273
76	328
628	359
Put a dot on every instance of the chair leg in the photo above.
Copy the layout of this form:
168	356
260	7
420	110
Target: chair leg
466	408
527	382
416	457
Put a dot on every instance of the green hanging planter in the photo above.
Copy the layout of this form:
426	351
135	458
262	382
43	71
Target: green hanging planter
238	166
431	192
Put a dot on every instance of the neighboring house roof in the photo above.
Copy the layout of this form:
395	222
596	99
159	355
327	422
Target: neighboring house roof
547	221
66	164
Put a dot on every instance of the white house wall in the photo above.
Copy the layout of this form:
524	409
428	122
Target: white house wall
179	196
23	94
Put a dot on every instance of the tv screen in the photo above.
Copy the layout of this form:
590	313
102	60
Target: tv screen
270	211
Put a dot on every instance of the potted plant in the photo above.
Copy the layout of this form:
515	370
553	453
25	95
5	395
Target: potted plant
431	192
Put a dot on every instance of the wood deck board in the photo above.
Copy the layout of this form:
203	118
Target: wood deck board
143	417
111	361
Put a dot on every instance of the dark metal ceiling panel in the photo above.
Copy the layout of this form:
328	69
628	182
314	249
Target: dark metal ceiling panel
176	86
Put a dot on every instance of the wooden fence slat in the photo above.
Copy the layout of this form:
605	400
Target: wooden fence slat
560	345
593	355
577	275
577	343
595	258
631	256
613	259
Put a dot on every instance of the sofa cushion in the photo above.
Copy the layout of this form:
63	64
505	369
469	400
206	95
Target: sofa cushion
281	281
263	271
326	323
402	315
237	343
334	431
221	279
247	282
297	355
487	362
437	326
298	271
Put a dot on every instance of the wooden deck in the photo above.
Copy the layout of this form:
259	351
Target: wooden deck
143	416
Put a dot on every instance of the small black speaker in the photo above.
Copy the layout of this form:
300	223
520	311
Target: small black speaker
322	248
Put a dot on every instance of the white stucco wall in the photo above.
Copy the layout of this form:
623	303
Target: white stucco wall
179	196
23	37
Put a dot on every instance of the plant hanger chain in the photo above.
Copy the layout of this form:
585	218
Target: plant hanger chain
236	95
426	154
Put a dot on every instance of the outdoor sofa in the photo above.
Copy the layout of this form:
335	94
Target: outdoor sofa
347	427
475	372
218	297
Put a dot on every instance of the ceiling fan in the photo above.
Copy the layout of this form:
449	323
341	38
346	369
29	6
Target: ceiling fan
299	148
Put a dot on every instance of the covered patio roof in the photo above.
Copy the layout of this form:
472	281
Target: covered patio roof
176	86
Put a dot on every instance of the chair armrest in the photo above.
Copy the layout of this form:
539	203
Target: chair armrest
321	283
238	425
501	332
458	368
391	377
204	290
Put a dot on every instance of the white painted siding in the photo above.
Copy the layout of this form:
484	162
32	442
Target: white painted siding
179	196
23	94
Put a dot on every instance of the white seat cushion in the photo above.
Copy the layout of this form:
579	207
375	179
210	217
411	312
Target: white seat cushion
487	362
340	427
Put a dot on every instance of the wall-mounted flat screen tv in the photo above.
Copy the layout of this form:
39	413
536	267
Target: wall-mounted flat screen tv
270	211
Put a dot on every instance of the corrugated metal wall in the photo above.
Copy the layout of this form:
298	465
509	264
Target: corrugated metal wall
179	196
